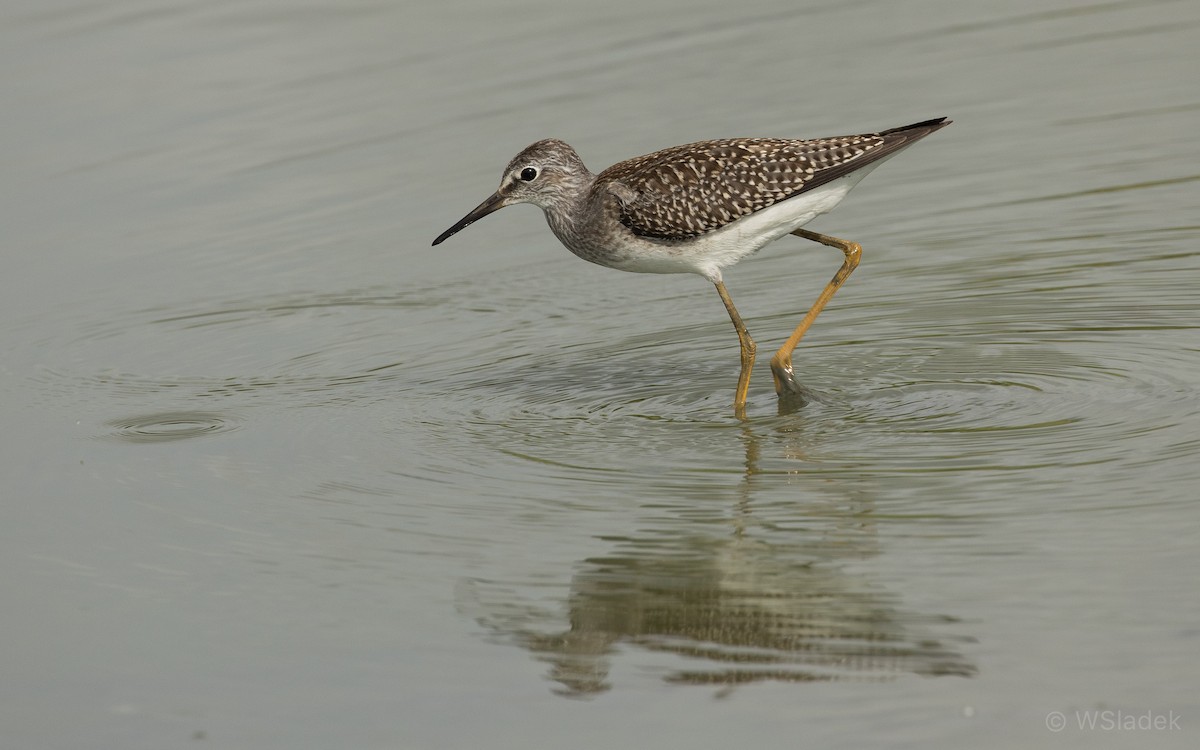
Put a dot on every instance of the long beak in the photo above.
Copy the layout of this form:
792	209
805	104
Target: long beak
494	203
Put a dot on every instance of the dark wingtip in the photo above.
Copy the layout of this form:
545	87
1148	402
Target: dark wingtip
928	126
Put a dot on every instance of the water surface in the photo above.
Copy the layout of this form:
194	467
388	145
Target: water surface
280	474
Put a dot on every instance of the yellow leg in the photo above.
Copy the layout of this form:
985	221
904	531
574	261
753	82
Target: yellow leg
781	363
748	350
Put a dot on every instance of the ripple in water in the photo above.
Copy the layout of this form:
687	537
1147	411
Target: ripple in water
168	426
300	348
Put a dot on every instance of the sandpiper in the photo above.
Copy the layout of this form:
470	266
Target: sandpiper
700	208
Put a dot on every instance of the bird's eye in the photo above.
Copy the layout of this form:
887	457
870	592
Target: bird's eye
529	174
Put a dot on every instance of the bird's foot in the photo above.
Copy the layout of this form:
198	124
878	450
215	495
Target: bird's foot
792	395
785	379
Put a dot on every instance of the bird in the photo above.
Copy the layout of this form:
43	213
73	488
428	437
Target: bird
700	208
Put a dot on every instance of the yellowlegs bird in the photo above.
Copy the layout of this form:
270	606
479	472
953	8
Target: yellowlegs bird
701	208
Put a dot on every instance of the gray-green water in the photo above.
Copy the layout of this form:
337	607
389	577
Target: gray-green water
276	473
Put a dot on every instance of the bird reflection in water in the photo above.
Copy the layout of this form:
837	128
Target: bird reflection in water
758	604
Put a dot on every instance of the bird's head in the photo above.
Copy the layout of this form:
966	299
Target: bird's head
548	174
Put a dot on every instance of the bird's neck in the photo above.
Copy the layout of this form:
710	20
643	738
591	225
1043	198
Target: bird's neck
568	216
